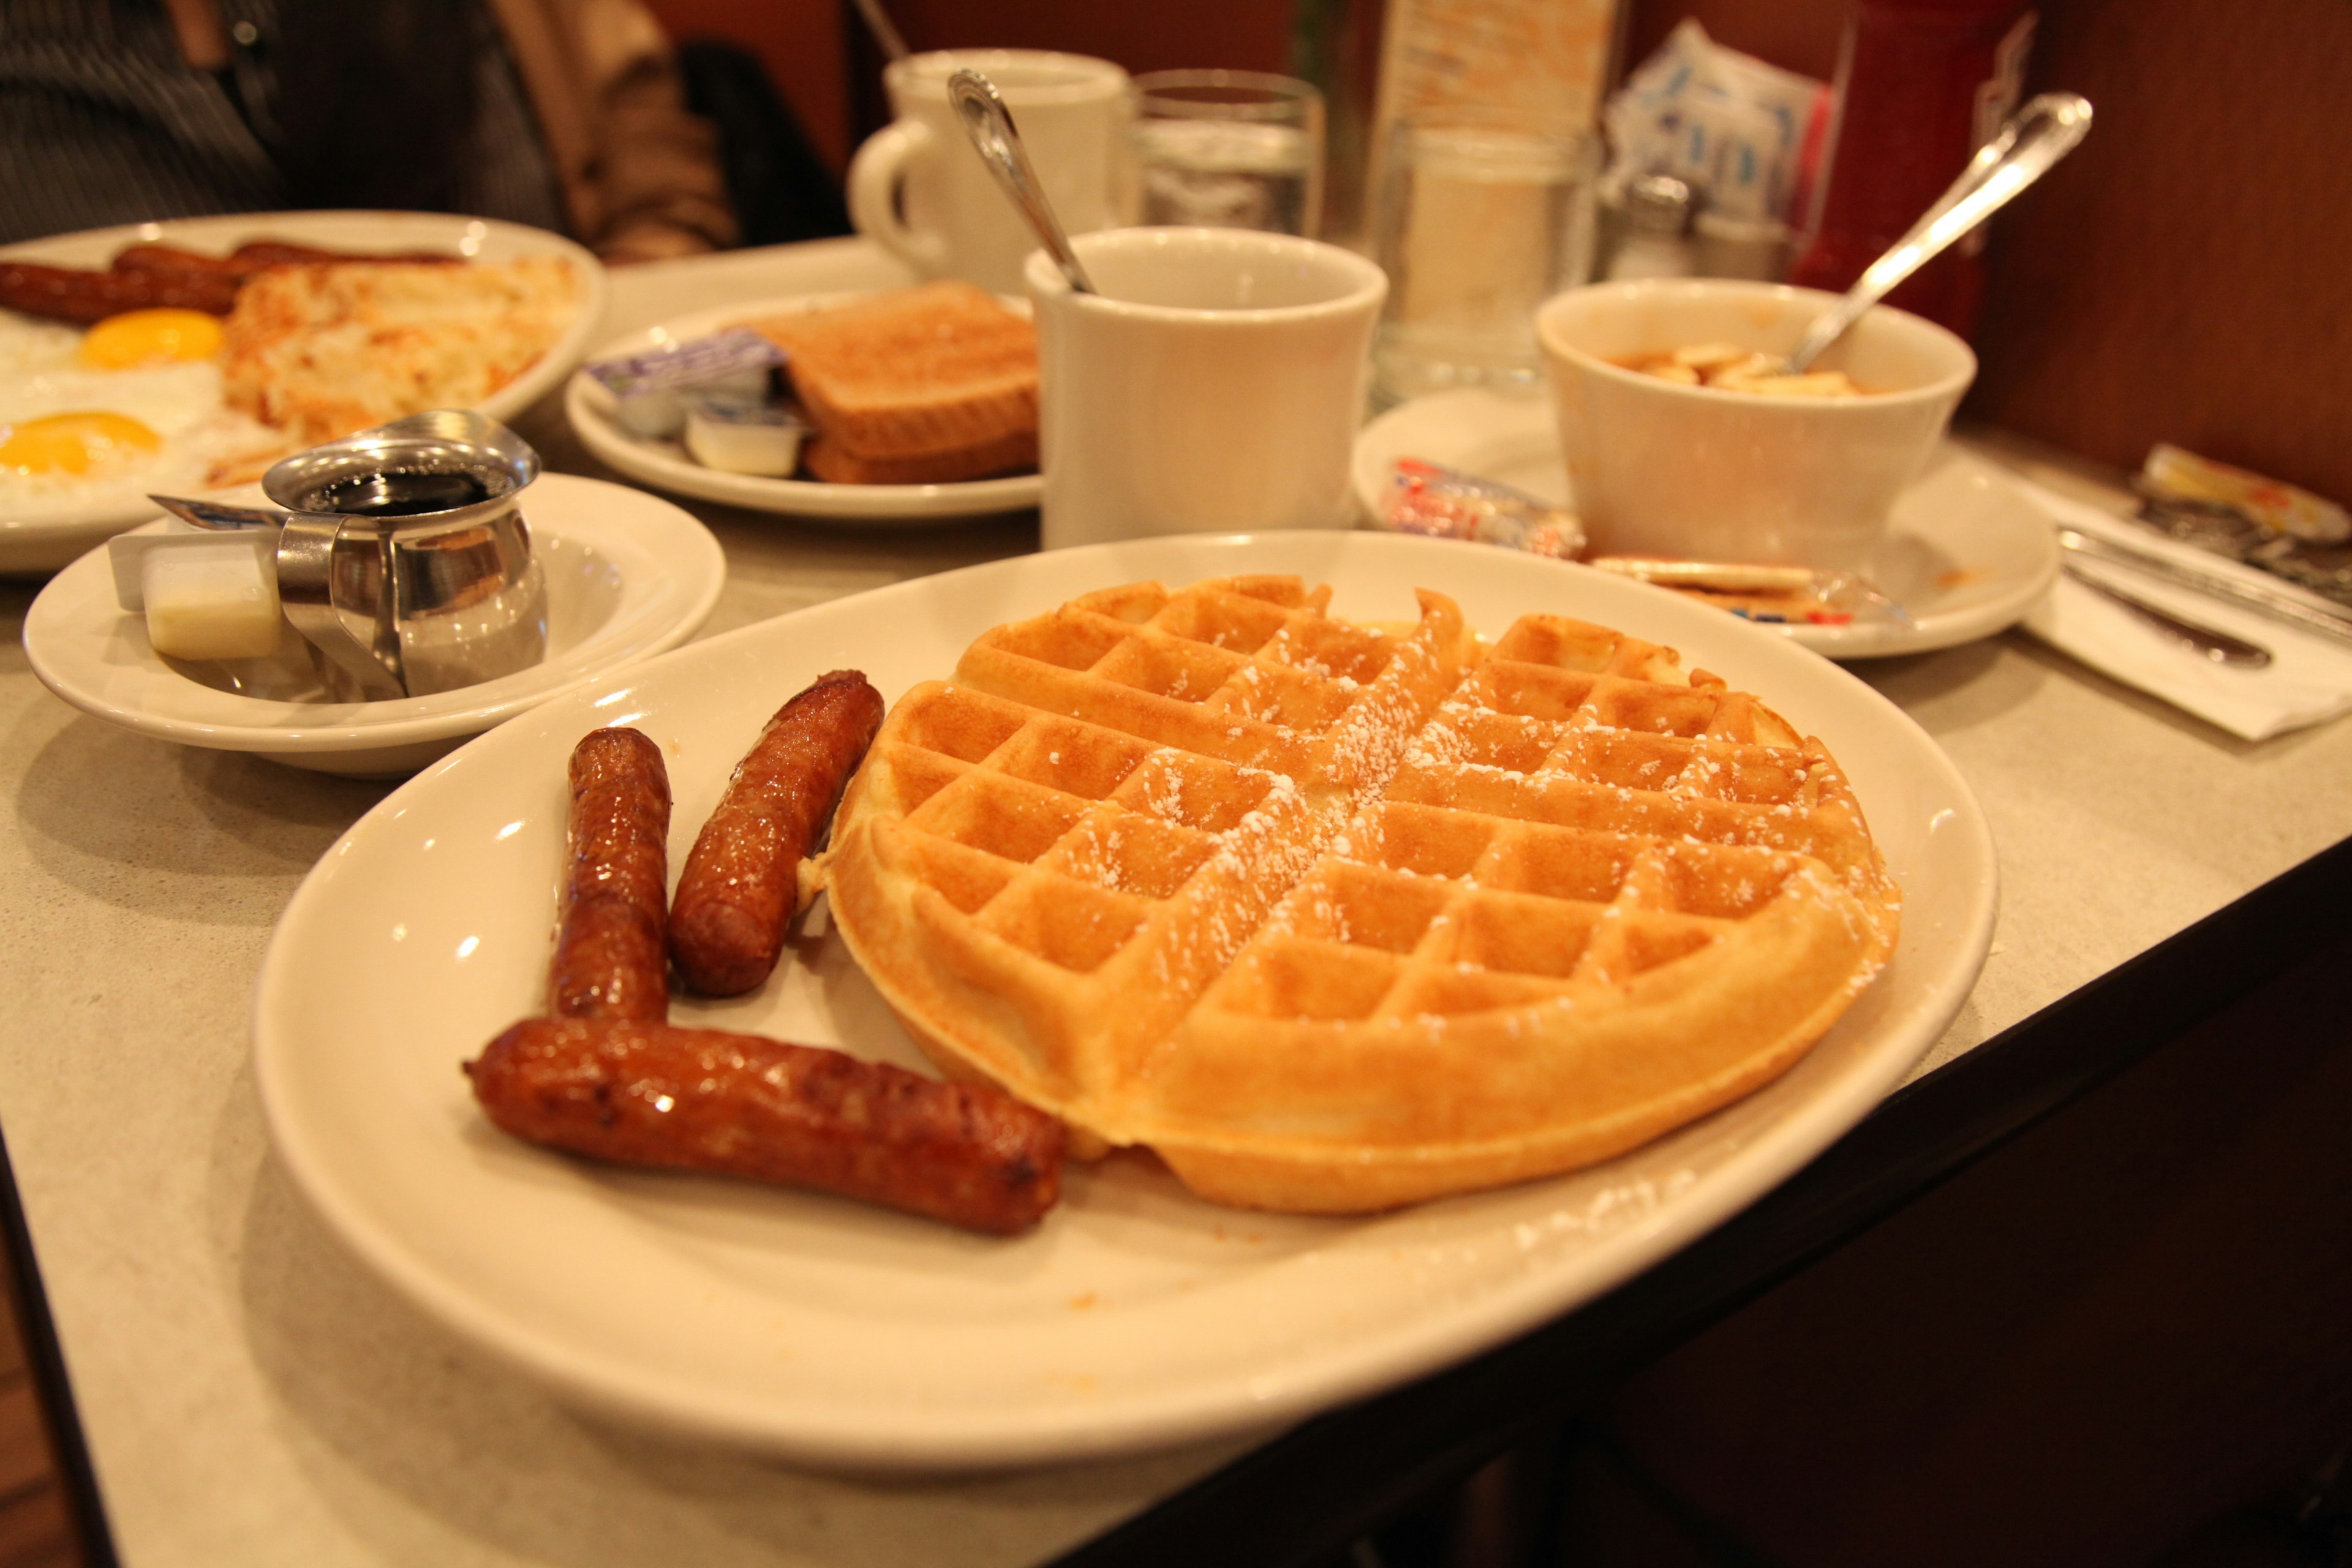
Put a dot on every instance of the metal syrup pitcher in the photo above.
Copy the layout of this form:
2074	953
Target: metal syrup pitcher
402	557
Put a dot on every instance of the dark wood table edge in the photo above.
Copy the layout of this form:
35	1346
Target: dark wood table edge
45	1358
1306	1494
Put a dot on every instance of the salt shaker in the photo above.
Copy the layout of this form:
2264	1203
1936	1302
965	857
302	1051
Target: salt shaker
1657	212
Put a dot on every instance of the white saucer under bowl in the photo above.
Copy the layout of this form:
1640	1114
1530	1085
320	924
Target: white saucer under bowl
628	576
1968	553
667	464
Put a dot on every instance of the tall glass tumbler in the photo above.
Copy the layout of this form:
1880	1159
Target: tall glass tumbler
1224	148
1484	215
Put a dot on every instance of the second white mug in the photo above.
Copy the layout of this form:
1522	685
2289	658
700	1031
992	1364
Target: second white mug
1214	385
918	189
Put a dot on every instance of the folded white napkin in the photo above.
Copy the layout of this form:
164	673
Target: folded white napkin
2308	679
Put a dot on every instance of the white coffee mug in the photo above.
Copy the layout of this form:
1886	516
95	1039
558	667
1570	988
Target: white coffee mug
1213	383
918	189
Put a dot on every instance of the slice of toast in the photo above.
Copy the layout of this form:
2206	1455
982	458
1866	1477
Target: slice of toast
825	459
942	368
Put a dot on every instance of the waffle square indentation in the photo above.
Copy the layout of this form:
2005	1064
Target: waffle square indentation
1291	977
1561	863
1186	671
1017	821
1130	853
1534	691
1068	924
1074	758
1523	935
1193	792
1362	907
962	724
1427	841
1224	620
1064	639
1331	649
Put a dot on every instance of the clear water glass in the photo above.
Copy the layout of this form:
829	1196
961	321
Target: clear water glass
1228	149
1484	215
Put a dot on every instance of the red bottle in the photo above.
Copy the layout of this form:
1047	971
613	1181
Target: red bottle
1922	84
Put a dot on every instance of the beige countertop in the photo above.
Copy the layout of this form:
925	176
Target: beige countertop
251	1395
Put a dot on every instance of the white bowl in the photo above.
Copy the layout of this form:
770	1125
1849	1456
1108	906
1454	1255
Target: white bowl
1667	469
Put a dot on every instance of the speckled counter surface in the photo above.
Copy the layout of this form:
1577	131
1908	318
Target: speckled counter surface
251	1395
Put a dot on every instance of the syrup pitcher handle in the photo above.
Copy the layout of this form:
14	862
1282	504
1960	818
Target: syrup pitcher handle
305	567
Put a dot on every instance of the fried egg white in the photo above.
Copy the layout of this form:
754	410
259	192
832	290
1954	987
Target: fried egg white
79	440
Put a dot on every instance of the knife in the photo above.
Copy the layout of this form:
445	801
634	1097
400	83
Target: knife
2275	603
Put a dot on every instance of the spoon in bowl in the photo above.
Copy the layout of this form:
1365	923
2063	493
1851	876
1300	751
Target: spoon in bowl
989	125
2045	130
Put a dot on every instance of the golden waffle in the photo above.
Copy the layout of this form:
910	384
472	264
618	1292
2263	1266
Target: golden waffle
1337	917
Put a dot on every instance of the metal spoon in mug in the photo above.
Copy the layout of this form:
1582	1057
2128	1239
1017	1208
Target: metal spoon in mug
878	22
2045	130
989	125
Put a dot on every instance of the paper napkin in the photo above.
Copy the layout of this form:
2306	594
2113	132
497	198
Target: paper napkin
2308	680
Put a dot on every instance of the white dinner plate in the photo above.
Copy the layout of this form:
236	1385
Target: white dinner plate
1135	1315
1968	553
48	545
628	575
666	463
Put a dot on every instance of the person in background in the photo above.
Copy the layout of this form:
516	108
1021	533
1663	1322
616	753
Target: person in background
563	114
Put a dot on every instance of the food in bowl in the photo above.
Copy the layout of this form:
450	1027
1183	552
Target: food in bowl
1729	368
1687	473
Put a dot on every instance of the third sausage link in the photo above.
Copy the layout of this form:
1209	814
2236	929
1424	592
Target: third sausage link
741	882
611	958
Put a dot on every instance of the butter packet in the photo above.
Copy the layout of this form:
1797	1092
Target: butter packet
650	389
1439	502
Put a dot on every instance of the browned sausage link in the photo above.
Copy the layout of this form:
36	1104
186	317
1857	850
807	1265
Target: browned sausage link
171	259
254	255
609	957
741	880
649	1094
68	294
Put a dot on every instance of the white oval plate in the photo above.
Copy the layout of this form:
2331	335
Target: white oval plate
667	464
1135	1315
628	575
1967	557
46	546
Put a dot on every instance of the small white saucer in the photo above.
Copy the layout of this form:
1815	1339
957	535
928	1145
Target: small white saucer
1968	553
628	576
667	464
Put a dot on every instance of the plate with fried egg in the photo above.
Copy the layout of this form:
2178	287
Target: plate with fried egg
196	385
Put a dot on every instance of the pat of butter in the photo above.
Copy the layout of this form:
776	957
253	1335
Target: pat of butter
211	599
743	435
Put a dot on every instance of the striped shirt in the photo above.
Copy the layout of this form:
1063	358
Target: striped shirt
102	120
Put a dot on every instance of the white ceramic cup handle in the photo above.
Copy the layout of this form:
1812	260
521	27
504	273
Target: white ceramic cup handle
874	178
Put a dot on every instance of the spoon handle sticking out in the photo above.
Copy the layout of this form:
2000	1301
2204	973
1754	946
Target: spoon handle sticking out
2045	130
989	125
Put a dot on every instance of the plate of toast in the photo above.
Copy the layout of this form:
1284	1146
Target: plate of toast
1552	880
921	406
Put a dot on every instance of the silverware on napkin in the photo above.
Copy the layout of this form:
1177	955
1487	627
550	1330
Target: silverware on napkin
2275	603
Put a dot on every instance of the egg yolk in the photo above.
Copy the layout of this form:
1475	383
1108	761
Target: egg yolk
143	337
74	443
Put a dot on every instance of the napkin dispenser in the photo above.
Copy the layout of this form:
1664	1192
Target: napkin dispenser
400	554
